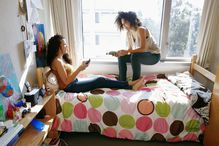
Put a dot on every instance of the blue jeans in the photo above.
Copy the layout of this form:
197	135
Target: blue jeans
136	60
99	82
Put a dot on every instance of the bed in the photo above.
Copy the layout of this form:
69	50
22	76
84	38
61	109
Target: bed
160	111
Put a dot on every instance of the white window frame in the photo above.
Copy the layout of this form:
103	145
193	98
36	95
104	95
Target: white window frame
165	28
163	36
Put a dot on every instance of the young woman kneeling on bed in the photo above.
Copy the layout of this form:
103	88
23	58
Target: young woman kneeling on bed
61	66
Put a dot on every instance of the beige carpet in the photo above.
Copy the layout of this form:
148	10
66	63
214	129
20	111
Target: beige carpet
94	139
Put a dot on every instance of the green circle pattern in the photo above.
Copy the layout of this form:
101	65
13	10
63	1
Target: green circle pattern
162	109
95	100
127	121
67	109
193	126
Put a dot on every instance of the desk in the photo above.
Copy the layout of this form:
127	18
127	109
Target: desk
31	136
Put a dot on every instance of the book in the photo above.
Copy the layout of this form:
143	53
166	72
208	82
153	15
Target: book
11	136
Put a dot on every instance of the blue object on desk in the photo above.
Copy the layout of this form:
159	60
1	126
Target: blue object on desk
37	124
19	103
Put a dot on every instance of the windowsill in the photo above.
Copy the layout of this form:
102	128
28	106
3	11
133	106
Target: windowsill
167	61
164	66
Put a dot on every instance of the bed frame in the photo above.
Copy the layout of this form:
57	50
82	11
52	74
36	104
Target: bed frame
210	137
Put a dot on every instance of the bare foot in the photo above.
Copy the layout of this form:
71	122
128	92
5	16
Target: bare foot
139	84
131	83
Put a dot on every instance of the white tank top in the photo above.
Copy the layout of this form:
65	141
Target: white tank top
134	38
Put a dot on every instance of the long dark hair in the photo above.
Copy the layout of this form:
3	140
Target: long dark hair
130	16
53	48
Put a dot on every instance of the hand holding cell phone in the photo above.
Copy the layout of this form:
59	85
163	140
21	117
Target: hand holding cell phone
84	64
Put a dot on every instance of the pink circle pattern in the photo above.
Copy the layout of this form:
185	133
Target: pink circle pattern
161	125
94	115
126	134
113	92
110	132
127	107
66	126
80	111
144	123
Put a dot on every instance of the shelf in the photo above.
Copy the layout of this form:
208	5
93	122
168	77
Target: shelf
34	111
31	136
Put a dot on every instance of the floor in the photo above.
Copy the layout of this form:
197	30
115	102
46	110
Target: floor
94	139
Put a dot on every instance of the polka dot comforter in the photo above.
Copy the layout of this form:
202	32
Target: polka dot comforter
160	111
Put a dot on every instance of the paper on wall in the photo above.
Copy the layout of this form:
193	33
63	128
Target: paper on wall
35	18
29	9
29	47
37	4
30	35
32	10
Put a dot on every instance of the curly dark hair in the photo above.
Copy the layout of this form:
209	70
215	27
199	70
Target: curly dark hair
67	58
130	16
53	48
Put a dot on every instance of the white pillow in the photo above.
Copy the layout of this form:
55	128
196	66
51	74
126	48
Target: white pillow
51	81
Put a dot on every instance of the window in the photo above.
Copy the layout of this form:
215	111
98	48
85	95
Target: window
183	27
173	23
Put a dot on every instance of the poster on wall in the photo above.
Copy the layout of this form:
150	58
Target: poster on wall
9	87
7	69
39	41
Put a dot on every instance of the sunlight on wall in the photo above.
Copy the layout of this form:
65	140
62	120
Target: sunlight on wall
29	60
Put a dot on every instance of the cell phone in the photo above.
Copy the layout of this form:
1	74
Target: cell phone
113	53
87	62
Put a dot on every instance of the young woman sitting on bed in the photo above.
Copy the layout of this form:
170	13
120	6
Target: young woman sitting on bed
67	77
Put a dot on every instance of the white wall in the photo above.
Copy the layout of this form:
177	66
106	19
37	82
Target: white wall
11	41
9	29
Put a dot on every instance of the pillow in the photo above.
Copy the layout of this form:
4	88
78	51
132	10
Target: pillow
199	95
50	80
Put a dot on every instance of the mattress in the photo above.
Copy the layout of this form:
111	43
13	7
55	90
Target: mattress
159	111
